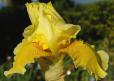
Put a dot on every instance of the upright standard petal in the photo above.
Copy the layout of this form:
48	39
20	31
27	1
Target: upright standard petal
48	23
84	56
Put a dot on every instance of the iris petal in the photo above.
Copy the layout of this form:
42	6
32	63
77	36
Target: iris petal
84	56
25	53
48	23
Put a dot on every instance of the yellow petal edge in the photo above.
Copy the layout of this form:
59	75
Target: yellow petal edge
26	53
84	56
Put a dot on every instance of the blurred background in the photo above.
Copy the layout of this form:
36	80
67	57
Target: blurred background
96	18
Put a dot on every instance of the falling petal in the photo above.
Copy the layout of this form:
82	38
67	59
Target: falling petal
25	54
84	56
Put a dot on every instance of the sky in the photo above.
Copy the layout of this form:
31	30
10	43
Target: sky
76	1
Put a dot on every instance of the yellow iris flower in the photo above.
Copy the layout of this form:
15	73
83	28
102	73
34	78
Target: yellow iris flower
49	35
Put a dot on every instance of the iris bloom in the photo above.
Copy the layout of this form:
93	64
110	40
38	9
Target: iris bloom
50	36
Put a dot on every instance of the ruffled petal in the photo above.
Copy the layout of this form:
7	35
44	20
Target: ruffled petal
48	9
25	53
84	56
46	22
